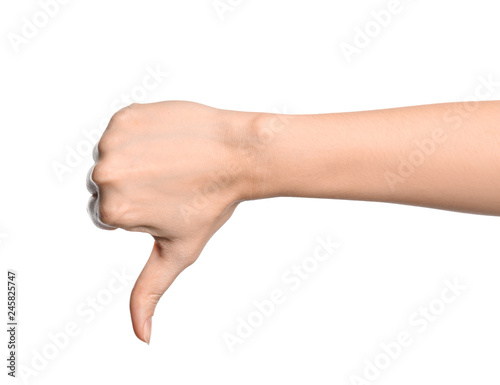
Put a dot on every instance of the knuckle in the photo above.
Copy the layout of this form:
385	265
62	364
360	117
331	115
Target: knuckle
133	106
126	114
145	296
121	116
108	142
110	214
117	214
102	173
107	214
189	260
151	298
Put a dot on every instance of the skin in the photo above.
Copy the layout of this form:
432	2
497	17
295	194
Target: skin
177	170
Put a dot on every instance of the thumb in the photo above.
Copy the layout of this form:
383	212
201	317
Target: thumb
164	265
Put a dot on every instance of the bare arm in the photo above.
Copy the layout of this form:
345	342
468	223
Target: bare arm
444	156
177	170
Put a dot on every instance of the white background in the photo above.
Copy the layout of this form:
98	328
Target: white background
281	56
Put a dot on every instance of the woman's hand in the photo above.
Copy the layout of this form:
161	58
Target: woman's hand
174	170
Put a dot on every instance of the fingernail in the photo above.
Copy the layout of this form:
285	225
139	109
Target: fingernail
147	330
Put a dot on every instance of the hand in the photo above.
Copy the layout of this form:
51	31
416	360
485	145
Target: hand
174	170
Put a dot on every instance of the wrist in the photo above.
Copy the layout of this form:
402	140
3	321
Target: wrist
254	138
301	156
265	155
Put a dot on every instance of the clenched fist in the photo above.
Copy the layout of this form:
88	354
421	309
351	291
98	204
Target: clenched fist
175	170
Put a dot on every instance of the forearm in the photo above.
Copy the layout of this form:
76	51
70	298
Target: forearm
443	156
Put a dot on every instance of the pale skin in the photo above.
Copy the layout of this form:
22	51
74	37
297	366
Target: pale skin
177	170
